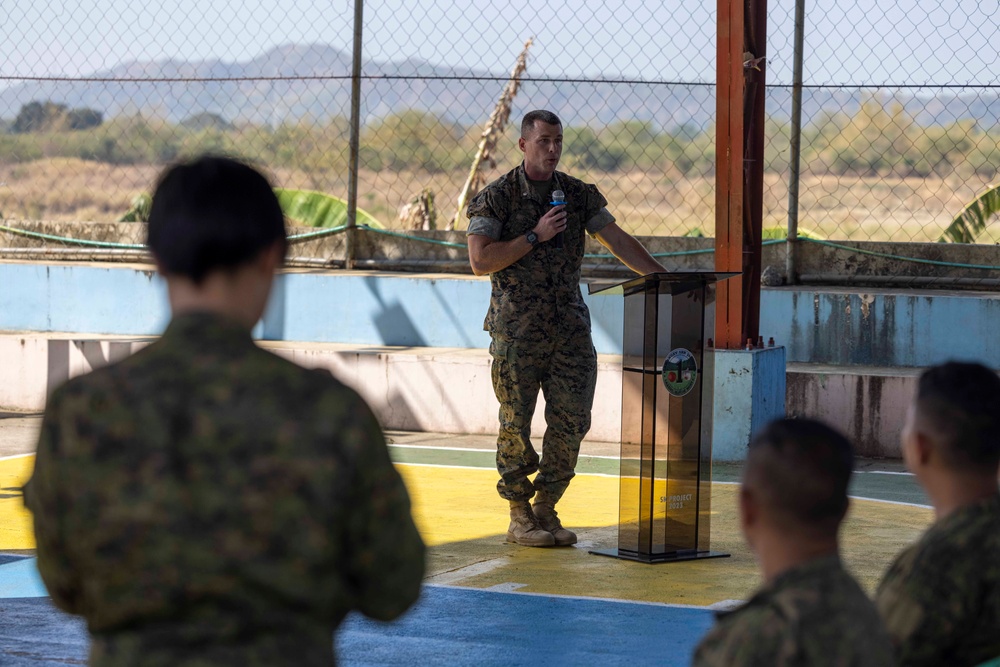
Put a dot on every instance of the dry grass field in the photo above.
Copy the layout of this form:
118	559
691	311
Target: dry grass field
646	203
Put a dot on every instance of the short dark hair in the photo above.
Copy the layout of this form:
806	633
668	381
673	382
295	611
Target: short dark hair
960	402
212	213
801	468
528	122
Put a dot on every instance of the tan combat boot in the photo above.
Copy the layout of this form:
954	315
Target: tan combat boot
545	512
524	528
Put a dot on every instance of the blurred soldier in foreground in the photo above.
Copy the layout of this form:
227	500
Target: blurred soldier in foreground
531	242
205	502
941	598
810	611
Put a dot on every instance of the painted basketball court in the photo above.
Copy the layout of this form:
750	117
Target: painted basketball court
488	602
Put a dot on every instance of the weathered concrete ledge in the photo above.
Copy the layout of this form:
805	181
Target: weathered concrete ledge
441	390
448	390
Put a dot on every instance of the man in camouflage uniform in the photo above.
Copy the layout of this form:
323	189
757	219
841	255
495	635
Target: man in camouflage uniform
941	598
206	502
538	321
810	611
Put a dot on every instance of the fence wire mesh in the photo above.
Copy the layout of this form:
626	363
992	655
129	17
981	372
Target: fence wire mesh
900	110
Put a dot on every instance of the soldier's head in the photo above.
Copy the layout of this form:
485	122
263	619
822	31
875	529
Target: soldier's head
795	483
541	142
215	225
953	424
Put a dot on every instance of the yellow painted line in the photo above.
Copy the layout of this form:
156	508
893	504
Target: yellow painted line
15	521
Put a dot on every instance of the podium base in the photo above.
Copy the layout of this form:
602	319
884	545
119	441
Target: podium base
672	557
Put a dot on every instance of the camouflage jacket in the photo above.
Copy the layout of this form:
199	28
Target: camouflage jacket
207	502
810	616
941	598
540	293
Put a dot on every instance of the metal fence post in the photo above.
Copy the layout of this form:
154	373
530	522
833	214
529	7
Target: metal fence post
352	183
795	145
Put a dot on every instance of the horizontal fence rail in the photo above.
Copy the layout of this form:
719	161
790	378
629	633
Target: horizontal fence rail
899	143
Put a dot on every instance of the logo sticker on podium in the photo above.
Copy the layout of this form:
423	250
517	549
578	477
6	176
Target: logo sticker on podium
680	372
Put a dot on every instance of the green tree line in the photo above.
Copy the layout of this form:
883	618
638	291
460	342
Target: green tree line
877	139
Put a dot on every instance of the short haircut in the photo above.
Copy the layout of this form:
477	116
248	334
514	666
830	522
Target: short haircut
960	403
528	122
801	468
212	213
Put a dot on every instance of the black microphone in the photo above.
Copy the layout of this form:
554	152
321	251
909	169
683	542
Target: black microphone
558	199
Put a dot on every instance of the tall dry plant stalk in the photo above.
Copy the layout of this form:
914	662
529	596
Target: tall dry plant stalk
494	129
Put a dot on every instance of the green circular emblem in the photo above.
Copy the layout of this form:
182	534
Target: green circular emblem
680	372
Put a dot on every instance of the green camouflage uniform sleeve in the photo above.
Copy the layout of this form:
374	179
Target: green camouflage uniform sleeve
386	562
753	636
44	497
923	610
597	215
489	209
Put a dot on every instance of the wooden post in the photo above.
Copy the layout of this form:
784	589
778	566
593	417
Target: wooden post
741	59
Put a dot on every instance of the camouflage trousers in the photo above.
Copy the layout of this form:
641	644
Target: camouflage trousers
565	370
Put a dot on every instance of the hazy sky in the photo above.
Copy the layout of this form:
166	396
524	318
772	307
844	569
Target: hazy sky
901	42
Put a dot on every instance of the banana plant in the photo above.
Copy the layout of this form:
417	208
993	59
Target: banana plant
308	208
139	210
305	208
972	220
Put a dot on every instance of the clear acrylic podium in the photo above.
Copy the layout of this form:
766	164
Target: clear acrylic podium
665	495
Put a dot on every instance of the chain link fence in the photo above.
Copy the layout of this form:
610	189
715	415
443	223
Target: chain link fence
900	102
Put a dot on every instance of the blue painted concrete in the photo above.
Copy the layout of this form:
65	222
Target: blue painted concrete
19	578
749	393
448	626
361	308
882	327
823	325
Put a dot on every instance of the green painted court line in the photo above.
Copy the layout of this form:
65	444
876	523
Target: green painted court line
482	458
893	488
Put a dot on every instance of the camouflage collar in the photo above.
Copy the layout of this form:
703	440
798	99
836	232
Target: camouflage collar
816	568
206	325
528	192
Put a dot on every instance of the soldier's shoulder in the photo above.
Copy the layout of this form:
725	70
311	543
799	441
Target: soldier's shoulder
760	612
501	183
572	182
749	635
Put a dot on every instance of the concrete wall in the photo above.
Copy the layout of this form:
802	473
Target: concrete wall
842	326
868	404
880	327
365	308
862	348
443	390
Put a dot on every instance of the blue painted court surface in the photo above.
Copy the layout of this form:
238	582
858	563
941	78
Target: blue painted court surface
448	626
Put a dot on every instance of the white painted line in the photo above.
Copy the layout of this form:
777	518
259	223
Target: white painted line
467	572
883	472
572	597
15	456
485	451
892	502
444	449
508	587
726	605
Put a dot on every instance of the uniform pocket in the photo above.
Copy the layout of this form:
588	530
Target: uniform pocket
499	349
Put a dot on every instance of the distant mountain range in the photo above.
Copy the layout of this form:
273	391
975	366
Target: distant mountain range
468	101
